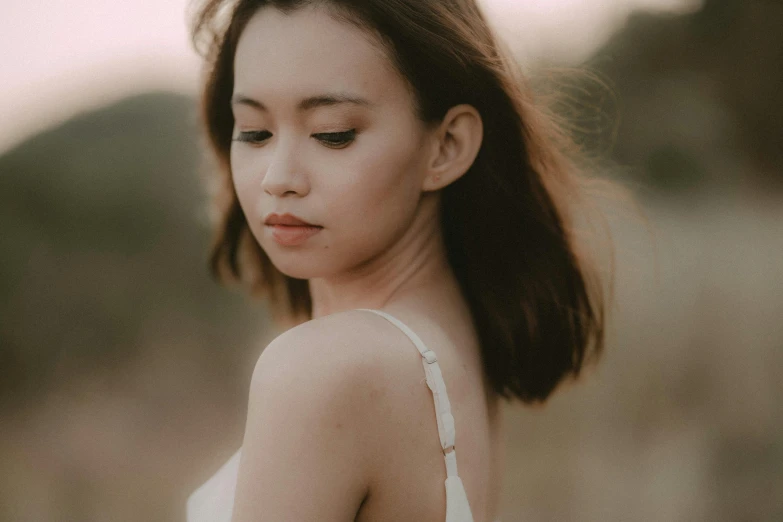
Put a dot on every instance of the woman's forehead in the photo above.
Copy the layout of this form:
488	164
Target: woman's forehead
309	51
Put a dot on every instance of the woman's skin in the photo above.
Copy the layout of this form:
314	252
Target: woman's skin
340	424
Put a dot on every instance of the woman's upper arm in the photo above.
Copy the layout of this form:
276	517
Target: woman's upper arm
304	455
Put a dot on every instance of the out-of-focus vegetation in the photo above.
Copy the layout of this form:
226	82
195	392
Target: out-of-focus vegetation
700	98
124	368
120	359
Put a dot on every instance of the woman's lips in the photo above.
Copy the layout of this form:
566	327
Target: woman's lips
292	235
286	219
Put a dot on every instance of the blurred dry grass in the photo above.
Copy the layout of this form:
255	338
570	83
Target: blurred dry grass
681	419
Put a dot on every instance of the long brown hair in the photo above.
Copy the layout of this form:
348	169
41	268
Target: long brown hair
536	304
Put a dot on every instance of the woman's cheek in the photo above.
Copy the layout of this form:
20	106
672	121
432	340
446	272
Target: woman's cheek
240	163
247	184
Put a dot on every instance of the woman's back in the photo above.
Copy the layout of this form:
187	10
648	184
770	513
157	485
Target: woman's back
415	468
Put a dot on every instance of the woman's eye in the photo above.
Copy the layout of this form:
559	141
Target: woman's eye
330	139
336	139
253	136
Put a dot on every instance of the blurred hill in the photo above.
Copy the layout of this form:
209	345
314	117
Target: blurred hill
699	98
104	244
107	310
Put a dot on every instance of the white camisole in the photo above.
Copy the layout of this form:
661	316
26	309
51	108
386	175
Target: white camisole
214	500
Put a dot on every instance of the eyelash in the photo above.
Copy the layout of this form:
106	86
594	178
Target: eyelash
335	140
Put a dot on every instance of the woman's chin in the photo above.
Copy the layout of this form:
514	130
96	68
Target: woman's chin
298	269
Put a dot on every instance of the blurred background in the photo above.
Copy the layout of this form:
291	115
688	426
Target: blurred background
124	369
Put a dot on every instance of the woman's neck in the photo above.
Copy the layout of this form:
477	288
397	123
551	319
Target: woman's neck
415	267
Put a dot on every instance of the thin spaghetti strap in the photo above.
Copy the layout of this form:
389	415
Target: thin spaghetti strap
435	382
457	505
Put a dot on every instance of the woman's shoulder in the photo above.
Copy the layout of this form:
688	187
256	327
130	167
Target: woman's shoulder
346	369
318	408
349	338
352	351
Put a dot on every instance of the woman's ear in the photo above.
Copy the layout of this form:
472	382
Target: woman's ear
457	143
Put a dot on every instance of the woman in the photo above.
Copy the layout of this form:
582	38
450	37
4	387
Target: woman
389	185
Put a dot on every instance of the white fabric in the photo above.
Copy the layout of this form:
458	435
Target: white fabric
214	500
457	506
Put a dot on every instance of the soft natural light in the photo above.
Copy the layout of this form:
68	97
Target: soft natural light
65	56
568	31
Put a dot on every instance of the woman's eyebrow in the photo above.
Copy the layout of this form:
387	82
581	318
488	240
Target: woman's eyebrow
308	104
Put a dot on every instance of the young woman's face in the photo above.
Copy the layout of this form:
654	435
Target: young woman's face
326	131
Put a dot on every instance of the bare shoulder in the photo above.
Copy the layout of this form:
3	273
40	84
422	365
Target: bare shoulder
330	401
349	368
353	367
351	346
315	414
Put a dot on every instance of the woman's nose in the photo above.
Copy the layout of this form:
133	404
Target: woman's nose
284	175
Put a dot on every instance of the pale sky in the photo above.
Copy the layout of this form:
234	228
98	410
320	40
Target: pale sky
65	56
